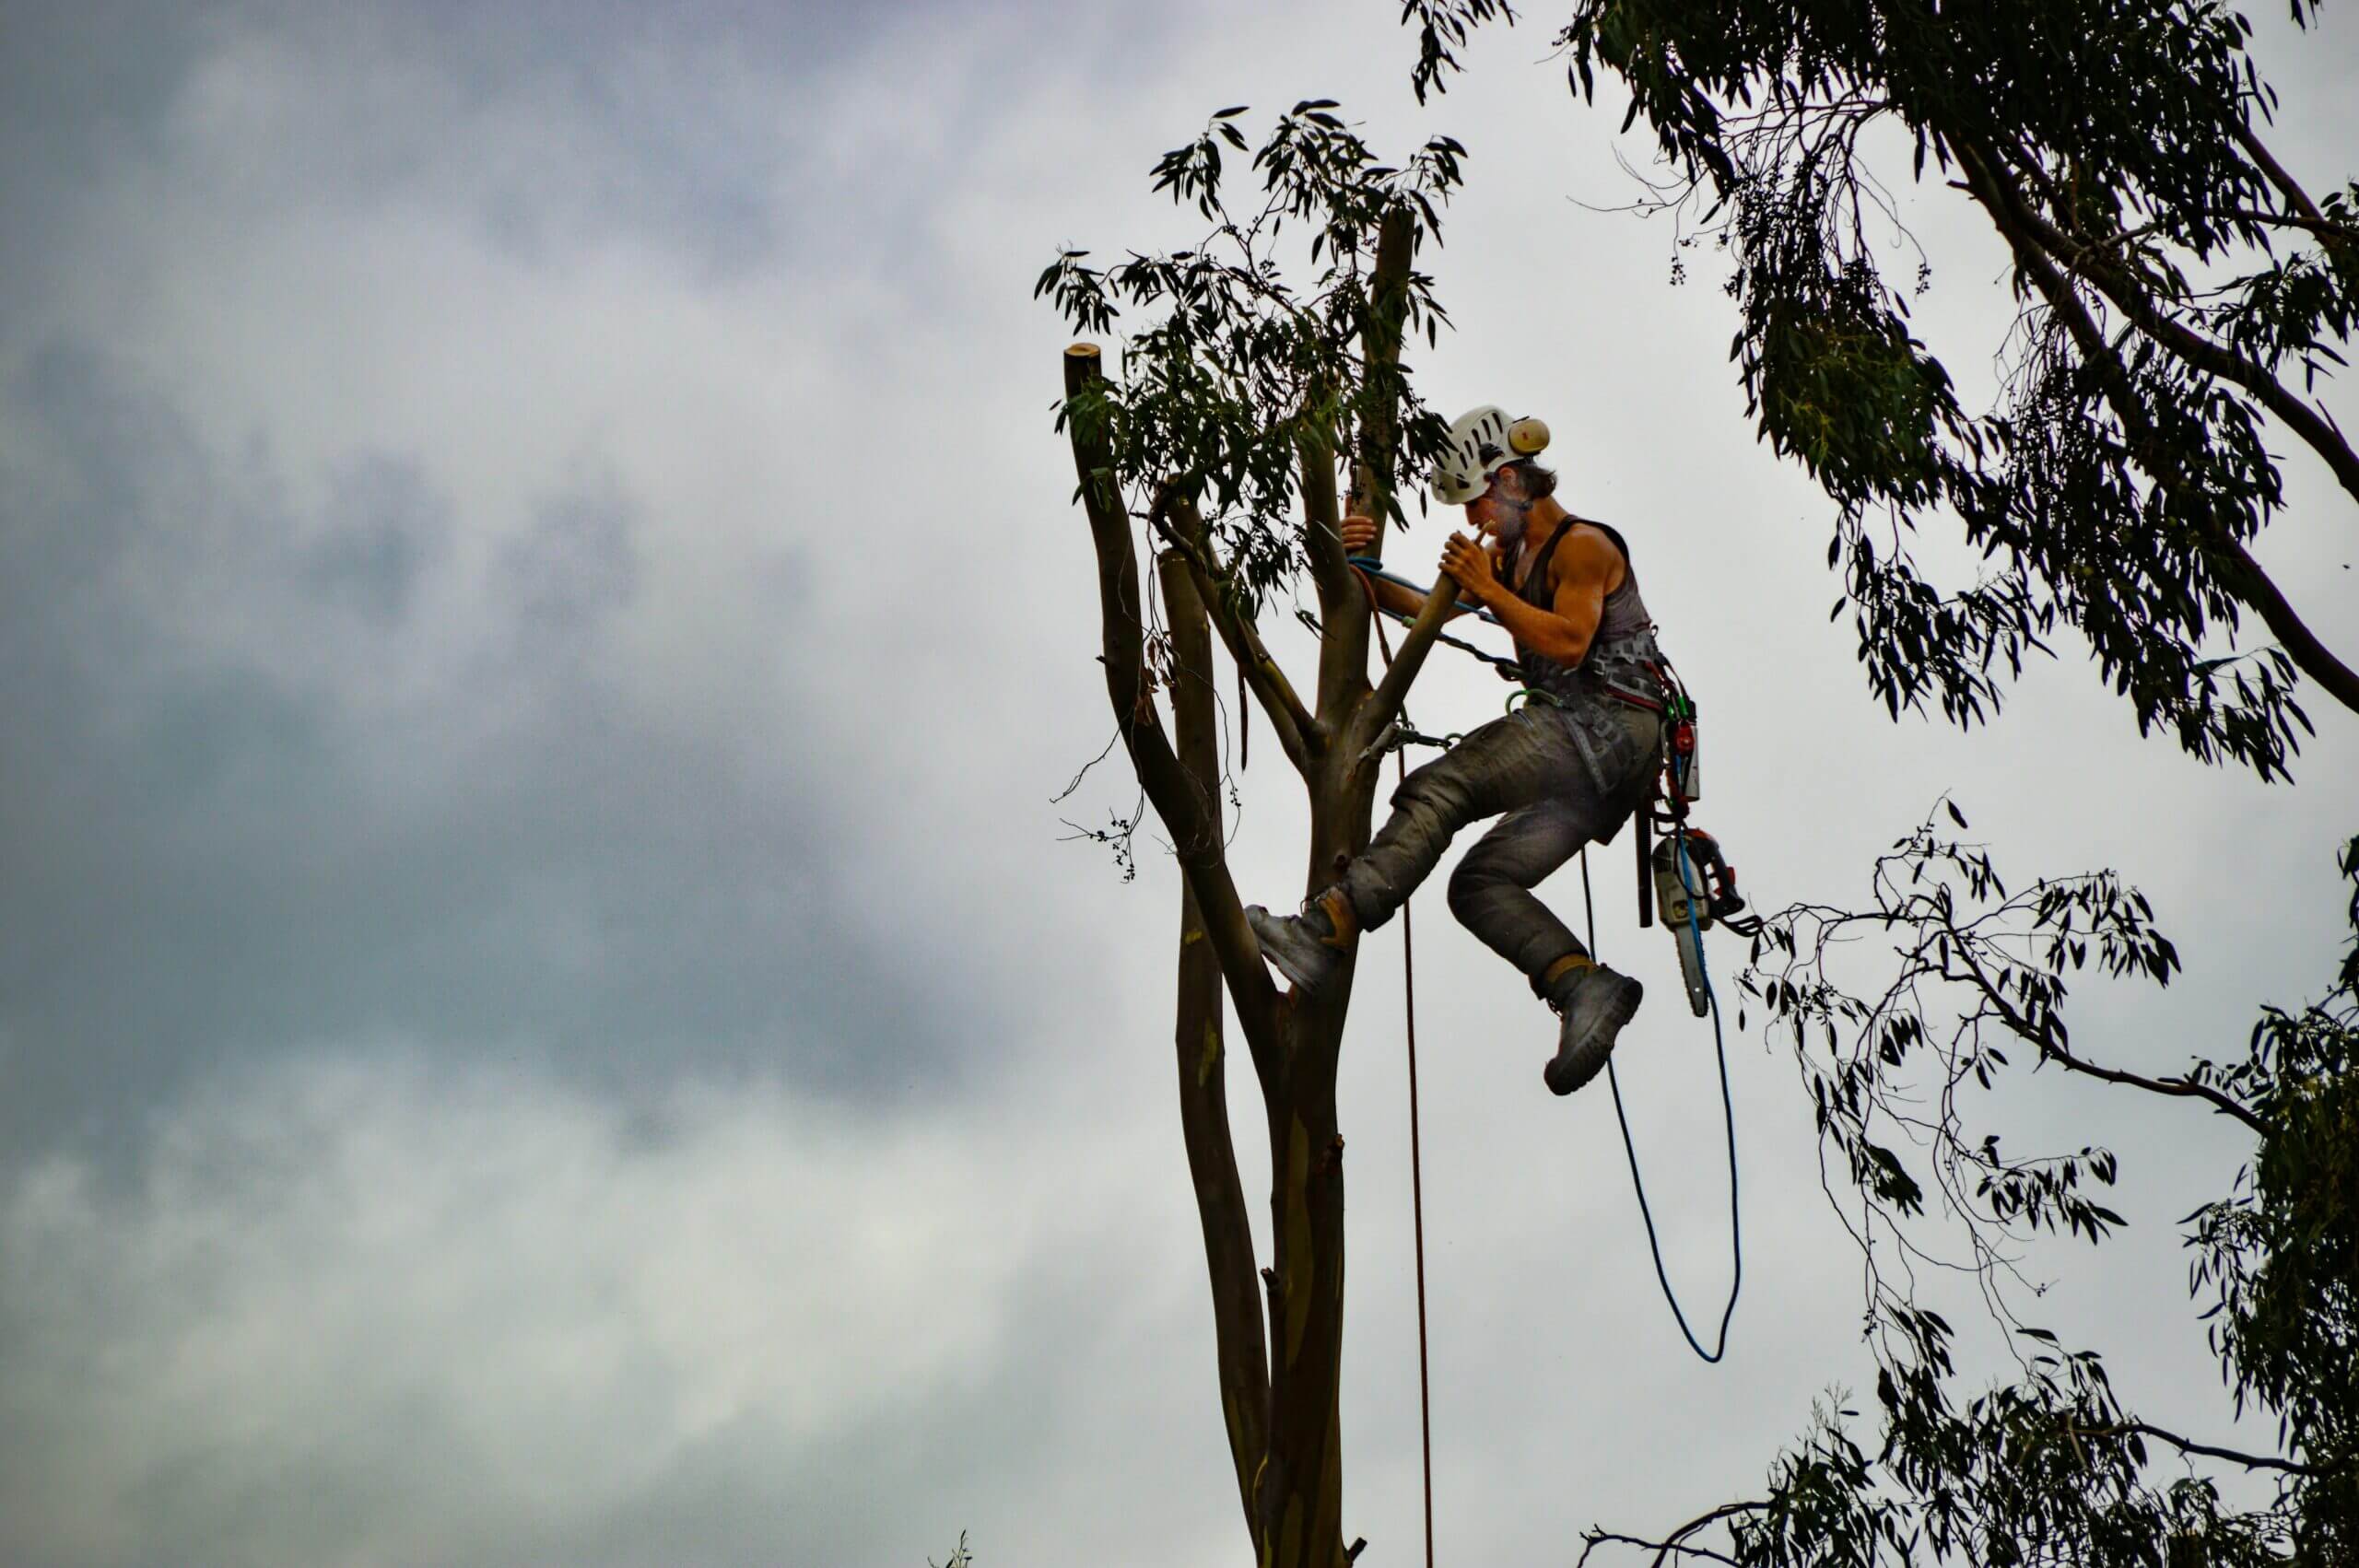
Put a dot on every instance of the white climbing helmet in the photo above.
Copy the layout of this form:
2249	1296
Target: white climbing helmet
1483	441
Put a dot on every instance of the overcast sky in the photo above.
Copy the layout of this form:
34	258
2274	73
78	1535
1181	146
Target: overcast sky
546	1014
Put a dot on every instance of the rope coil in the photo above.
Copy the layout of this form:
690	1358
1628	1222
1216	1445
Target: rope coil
1728	1109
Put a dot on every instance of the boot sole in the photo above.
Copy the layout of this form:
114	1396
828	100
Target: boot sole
1273	949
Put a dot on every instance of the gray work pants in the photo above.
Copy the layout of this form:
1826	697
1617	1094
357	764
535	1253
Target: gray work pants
1556	778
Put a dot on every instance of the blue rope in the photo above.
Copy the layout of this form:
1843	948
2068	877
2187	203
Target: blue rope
1509	669
1728	1109
1375	568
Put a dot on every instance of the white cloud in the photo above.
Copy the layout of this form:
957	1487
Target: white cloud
376	1279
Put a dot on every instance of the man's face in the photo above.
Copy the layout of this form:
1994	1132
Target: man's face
1500	511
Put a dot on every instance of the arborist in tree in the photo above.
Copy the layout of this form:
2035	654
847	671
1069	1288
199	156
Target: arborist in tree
1565	769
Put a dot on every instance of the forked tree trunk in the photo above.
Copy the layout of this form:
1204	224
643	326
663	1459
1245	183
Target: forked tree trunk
1280	1377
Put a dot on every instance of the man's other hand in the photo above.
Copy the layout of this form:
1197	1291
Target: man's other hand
1358	532
1468	562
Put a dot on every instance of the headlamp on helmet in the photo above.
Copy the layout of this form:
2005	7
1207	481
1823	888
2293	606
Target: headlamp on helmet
1484	441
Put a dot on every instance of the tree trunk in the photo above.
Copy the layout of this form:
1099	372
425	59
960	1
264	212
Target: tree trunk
1280	1396
1243	1360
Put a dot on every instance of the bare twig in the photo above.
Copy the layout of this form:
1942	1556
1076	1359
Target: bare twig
1676	1541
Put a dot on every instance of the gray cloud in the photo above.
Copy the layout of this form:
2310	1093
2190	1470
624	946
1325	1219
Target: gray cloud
210	856
385	527
385	1310
562	124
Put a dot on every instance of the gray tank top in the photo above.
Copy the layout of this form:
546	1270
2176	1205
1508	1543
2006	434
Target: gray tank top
1622	655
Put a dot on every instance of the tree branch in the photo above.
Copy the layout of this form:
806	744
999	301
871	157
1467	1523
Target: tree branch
2181	1087
1298	734
1677	1541
2264	161
1343	605
1241	1353
1662	1548
1330	570
2309	655
2043	1038
2254	586
2185	1445
2215	358
1344	647
1383	705
1379	444
1185	809
2325	229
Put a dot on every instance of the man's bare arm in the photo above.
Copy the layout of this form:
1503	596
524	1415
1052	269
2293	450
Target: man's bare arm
1358	534
1394	597
1584	566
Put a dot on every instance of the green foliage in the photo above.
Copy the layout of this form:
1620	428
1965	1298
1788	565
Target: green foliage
1242	370
2052	1466
2177	287
2112	491
1443	27
2282	1254
2115	486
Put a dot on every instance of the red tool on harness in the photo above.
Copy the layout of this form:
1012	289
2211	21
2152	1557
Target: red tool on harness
1684	872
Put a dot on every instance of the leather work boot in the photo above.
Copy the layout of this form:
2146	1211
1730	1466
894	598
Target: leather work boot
1595	1002
1306	948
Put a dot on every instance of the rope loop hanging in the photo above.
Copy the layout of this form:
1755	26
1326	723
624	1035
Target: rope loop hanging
1630	1149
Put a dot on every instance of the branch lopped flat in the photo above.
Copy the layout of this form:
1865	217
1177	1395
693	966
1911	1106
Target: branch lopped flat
1185	810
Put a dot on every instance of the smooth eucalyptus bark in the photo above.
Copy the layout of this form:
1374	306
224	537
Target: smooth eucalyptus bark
1281	1395
1381	430
1196	843
1240	1352
1306	1279
1297	732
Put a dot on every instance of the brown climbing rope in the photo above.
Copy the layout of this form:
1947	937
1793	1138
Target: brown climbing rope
1416	1173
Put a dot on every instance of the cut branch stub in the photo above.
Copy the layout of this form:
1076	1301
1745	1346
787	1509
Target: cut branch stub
1194	835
